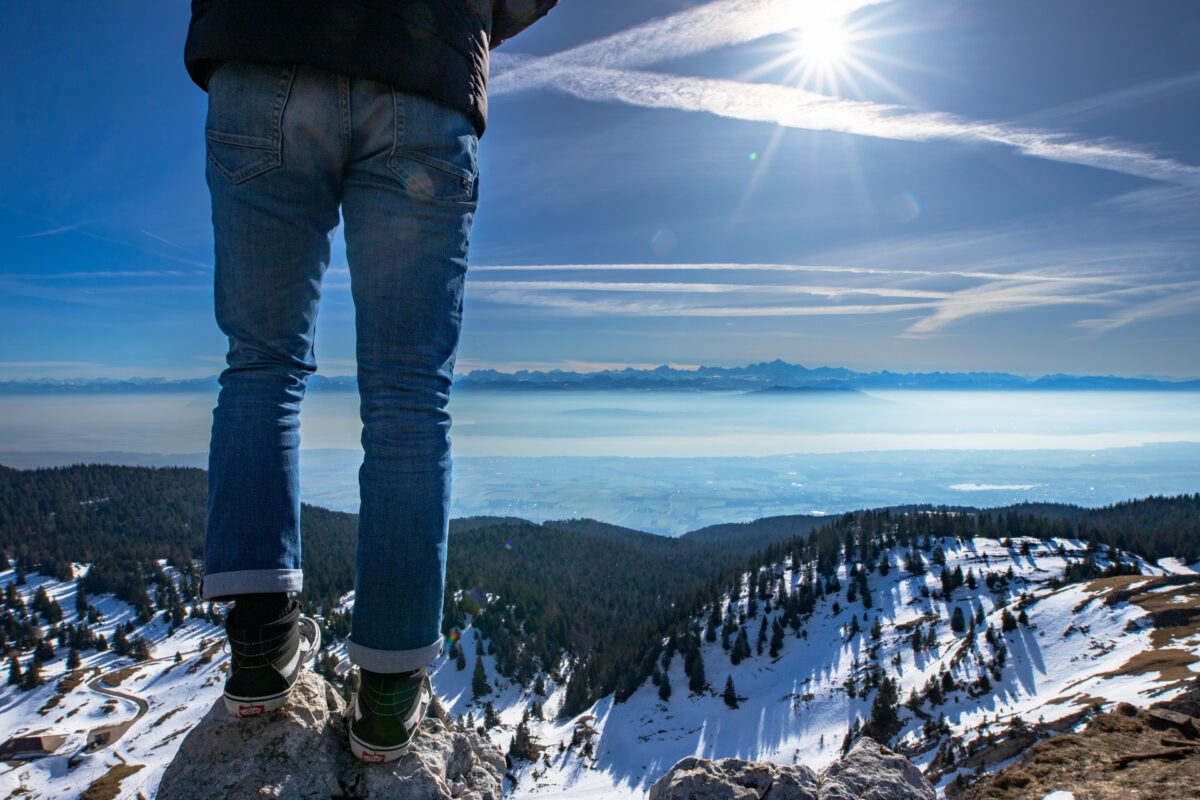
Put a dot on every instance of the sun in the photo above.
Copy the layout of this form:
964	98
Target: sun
822	44
820	49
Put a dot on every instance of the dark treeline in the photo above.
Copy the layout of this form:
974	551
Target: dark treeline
121	520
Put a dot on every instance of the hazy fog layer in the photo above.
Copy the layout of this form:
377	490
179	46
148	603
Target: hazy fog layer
671	462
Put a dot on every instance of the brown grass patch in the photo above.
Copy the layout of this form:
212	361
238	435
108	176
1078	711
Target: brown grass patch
172	737
1186	596
1088	700
1058	701
51	703
166	717
1171	664
108	785
1105	585
912	623
69	682
205	657
1161	637
115	678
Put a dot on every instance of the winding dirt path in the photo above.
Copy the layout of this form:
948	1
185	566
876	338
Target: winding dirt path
107	735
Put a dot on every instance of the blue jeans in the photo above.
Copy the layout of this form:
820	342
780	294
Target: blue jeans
288	145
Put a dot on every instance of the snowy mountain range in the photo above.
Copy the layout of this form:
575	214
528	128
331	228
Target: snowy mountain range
939	643
774	376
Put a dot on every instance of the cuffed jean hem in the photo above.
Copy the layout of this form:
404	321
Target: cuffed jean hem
393	660
221	585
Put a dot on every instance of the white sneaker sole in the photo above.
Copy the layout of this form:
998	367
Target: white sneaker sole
255	706
376	755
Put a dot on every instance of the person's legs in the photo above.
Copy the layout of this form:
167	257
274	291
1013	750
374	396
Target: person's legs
409	203
275	143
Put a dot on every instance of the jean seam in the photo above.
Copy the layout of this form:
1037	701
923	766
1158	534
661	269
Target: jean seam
347	123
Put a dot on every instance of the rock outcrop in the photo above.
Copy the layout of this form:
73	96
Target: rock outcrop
300	753
867	772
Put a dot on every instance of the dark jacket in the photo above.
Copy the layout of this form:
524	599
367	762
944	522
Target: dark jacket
435	48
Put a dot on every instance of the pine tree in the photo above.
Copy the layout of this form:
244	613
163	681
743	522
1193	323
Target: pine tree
776	638
120	643
14	671
741	648
73	660
33	675
491	719
958	622
664	688
479	683
522	747
140	649
693	666
883	710
730	694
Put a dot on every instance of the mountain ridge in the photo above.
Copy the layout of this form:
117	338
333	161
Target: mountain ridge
772	377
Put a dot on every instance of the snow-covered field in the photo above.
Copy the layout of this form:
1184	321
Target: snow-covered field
176	696
1076	649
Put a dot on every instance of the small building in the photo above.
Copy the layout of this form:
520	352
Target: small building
24	748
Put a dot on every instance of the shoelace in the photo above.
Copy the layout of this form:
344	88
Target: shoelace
254	653
389	701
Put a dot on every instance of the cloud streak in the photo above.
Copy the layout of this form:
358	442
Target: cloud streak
53	231
933	299
718	24
609	70
792	107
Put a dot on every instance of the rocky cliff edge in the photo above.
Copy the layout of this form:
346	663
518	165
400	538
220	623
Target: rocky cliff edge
300	753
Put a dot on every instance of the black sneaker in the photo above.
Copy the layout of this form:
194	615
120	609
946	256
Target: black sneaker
385	712
266	657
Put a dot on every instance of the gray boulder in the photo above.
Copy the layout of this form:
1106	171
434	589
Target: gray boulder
867	772
873	772
300	753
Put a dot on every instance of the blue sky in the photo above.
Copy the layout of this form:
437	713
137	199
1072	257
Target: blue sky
905	185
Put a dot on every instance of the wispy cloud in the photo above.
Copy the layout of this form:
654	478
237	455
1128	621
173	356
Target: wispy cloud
696	30
1118	100
930	300
608	70
1180	299
164	241
793	107
684	307
1023	274
77	275
489	287
40	364
53	231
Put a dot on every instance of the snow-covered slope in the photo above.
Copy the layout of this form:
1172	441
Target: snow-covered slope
1075	649
163	699
1083	643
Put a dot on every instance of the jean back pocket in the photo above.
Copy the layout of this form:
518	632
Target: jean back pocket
435	150
244	130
